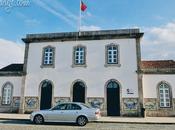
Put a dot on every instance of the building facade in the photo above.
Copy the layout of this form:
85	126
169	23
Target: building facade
101	68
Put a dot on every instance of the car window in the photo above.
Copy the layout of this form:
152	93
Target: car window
85	105
75	107
60	107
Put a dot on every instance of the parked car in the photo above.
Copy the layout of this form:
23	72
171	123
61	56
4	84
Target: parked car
72	112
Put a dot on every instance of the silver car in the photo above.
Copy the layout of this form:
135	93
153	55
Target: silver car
72	112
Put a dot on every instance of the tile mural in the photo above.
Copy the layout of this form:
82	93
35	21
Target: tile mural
96	102
61	99
31	102
16	101
130	103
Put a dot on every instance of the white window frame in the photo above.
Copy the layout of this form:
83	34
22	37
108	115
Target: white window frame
48	58
79	55
7	92
164	95
112	57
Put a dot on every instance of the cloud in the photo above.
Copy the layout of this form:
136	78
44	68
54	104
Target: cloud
57	5
90	28
55	11
159	42
10	52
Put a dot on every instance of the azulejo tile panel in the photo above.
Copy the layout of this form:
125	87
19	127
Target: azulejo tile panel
96	102
61	99
150	104
16	101
130	104
31	102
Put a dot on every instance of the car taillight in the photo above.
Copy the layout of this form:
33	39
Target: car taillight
97	113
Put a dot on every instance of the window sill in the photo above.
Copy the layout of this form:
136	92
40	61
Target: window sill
6	105
166	108
74	66
112	65
47	66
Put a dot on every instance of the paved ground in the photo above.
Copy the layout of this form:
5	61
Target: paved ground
147	120
26	125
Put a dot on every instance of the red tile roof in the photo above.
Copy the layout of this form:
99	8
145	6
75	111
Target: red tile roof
162	64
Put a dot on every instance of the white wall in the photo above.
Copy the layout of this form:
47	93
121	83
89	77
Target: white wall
150	83
95	75
16	81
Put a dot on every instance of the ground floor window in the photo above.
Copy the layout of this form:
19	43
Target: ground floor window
164	95
7	94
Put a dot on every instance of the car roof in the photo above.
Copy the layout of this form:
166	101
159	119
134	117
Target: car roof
71	103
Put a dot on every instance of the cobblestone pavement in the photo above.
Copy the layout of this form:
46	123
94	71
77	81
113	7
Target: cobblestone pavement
26	125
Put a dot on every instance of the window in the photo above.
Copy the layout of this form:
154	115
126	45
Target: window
7	94
79	57
48	56
164	95
75	107
112	55
60	107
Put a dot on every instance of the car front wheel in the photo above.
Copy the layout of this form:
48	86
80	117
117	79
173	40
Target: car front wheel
82	120
38	119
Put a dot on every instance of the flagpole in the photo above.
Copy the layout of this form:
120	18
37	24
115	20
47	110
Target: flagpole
79	28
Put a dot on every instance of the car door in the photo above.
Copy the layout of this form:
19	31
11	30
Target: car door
56	114
71	113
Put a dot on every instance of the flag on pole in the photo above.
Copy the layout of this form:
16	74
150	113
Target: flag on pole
83	6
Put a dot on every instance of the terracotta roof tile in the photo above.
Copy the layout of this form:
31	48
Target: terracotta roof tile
162	64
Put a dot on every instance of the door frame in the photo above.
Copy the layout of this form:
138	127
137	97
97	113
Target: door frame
71	89
40	85
105	93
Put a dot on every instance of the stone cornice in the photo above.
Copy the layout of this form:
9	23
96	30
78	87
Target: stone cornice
11	73
85	35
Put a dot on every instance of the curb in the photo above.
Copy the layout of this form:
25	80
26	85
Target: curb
14	119
160	123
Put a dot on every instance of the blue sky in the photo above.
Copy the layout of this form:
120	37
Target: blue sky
154	17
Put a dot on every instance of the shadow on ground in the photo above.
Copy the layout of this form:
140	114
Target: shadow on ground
28	122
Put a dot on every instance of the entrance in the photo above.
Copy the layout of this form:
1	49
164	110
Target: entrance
79	92
46	95
113	99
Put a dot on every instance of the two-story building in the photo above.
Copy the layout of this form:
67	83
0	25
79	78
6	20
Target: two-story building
102	68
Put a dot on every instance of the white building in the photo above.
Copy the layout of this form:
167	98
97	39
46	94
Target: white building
102	68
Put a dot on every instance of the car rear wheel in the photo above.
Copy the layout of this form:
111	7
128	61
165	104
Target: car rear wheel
82	120
38	119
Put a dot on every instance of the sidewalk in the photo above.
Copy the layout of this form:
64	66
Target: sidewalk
137	120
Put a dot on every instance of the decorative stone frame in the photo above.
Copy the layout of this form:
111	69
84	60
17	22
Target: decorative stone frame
118	55
73	56
2	93
105	93
39	93
170	94
71	89
42	60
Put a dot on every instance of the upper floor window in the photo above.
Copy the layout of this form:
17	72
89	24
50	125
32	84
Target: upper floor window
79	55
164	95
48	56
112	54
7	94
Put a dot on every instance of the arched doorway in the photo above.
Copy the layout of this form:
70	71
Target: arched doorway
113	99
79	92
46	95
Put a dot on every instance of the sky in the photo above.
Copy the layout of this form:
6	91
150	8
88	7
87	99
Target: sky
156	18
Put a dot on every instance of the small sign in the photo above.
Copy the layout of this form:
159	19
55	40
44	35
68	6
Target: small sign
129	91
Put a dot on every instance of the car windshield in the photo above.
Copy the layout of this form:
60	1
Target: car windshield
85	105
